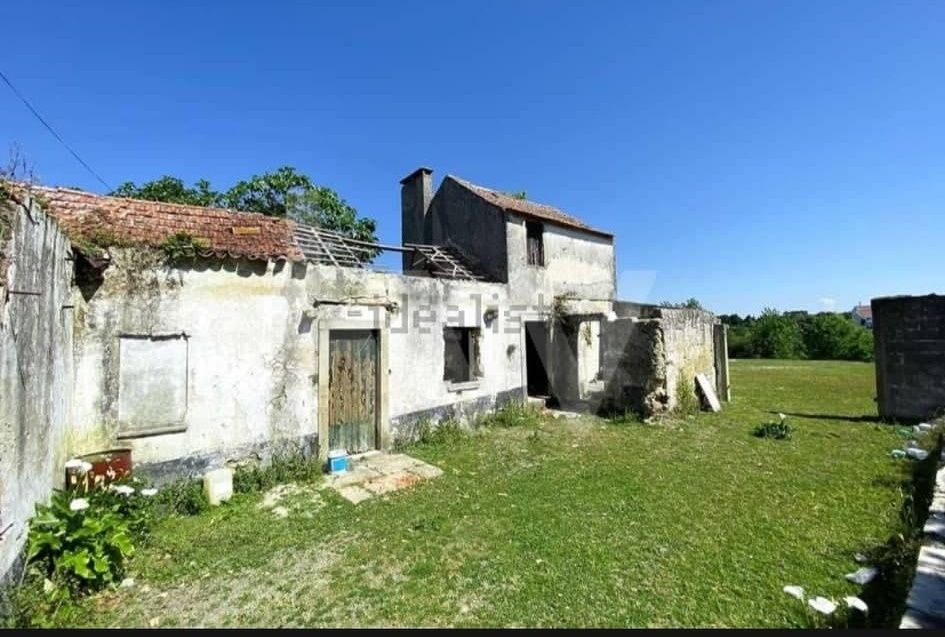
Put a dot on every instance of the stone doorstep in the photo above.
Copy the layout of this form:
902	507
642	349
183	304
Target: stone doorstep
392	482
353	476
387	464
426	471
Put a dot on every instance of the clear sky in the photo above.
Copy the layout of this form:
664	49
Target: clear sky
749	154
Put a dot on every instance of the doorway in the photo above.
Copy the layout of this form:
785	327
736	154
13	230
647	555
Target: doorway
536	358
352	390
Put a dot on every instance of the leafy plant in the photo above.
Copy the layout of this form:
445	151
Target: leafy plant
182	247
77	545
777	430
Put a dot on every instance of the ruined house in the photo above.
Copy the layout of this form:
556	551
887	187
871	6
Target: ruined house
199	337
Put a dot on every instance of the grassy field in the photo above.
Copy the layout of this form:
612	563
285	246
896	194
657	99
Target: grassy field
690	522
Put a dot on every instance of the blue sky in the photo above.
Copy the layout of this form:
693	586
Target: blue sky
749	154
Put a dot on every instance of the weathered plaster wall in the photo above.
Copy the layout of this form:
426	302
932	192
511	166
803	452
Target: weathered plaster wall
577	264
252	360
909	337
633	367
35	370
475	227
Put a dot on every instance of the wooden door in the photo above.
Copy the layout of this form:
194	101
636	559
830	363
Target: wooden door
352	390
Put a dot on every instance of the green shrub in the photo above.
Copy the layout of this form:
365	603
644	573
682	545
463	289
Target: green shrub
777	430
294	466
78	544
184	497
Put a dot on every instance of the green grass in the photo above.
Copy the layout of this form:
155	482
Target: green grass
688	522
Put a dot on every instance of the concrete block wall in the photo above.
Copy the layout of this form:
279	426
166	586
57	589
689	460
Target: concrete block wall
35	370
909	336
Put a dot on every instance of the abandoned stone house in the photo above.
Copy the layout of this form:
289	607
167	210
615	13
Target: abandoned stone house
274	333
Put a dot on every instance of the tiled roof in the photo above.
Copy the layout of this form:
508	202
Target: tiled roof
107	221
528	208
864	311
135	221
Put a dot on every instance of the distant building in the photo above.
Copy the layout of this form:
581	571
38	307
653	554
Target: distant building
863	315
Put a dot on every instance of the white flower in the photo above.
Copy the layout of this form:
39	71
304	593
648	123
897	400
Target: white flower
79	504
81	466
857	603
782	417
149	492
122	489
822	605
794	591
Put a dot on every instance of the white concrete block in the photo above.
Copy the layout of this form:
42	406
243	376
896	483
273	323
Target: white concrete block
218	485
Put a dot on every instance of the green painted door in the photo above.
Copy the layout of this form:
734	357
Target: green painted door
352	390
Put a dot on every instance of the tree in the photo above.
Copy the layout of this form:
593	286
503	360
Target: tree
323	207
776	336
836	337
281	193
171	190
269	193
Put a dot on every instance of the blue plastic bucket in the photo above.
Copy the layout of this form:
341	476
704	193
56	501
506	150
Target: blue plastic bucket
337	461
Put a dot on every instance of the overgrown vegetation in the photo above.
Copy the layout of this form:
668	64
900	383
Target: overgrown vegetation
283	192
687	402
514	414
183	497
798	335
690	524
181	247
291	466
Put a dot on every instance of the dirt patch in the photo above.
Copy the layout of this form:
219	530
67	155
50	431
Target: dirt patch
292	588
290	499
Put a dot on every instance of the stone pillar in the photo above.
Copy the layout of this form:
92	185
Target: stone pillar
723	386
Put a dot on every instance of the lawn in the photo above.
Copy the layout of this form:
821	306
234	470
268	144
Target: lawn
687	522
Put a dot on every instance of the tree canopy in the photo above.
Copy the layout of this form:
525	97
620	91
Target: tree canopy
283	192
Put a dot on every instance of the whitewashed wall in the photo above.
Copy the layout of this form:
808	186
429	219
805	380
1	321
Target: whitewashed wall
251	359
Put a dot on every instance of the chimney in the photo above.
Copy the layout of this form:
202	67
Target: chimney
416	192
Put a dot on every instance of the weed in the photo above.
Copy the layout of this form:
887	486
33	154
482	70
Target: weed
514	414
184	497
294	466
182	247
687	403
777	430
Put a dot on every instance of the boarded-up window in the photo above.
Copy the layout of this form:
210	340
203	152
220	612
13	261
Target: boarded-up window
152	384
461	354
535	244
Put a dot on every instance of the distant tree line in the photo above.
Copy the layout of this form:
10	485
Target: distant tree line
821	336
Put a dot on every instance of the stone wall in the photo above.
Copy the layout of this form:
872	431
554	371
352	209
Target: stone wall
646	362
35	369
909	333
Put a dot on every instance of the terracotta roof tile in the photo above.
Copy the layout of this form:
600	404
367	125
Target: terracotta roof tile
136	221
528	208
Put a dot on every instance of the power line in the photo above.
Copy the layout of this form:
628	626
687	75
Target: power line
51	130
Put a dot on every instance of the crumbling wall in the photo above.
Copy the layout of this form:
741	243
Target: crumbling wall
909	337
689	348
633	367
647	362
35	368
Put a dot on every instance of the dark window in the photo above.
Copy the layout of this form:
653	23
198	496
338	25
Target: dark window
461	354
536	247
